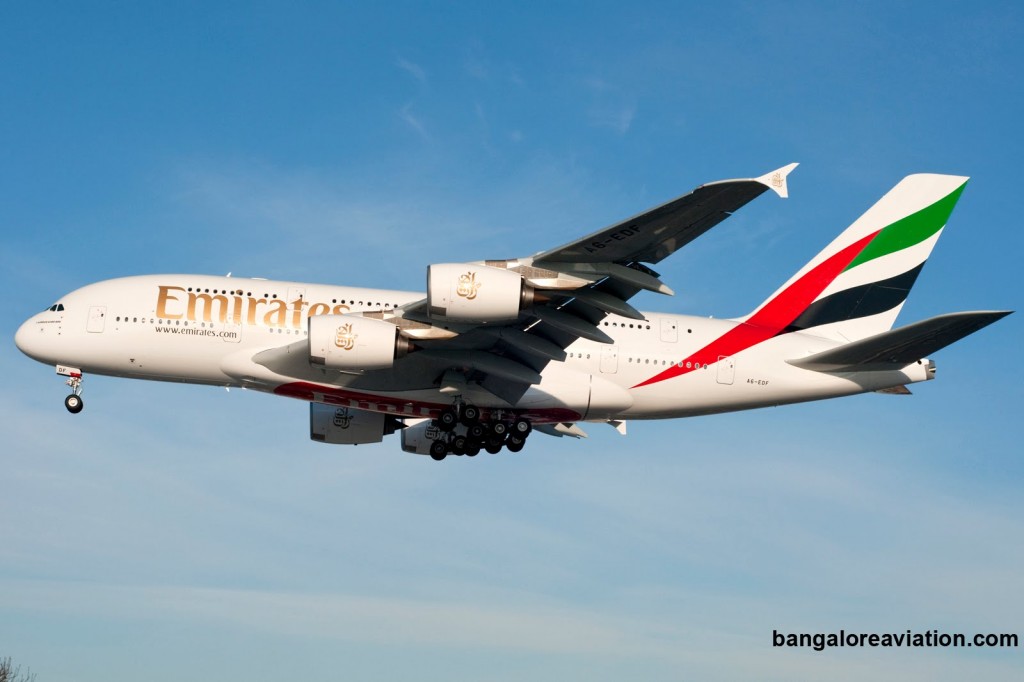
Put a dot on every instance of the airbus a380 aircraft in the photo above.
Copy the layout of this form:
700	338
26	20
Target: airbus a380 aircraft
500	348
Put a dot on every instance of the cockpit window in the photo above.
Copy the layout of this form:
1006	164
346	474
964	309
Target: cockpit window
56	308
60	307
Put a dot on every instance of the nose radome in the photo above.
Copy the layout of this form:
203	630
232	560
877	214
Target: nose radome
25	336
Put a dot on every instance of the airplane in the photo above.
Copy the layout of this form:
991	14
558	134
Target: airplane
494	350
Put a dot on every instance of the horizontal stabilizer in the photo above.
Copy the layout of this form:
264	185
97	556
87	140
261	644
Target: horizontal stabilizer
899	347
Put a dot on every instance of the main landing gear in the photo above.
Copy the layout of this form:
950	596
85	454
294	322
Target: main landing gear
73	402
461	431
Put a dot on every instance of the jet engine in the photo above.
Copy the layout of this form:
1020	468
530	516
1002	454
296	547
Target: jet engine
349	426
418	435
464	292
353	343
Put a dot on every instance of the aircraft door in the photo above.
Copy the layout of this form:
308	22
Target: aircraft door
726	369
97	319
609	359
669	330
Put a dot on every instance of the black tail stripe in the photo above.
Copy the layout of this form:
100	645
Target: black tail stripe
861	301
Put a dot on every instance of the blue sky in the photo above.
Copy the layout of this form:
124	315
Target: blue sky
174	528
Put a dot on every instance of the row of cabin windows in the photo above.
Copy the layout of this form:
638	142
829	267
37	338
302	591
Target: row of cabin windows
624	325
648	361
631	326
184	323
239	292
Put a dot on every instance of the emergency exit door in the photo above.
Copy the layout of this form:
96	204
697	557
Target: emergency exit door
97	319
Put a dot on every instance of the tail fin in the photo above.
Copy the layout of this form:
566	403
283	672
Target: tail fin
857	285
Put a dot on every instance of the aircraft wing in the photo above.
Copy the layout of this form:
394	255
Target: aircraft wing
652	236
556	296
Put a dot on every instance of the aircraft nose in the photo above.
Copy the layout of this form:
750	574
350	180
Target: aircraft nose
25	339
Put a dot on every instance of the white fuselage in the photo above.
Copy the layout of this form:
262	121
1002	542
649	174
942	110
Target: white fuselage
208	330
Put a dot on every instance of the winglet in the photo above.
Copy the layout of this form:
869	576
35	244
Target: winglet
776	180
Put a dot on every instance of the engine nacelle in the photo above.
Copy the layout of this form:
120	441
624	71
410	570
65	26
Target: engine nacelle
418	435
463	292
349	426
354	343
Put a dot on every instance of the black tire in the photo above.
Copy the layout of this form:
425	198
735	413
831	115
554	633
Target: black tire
473	450
470	414
74	403
447	420
493	447
459	444
522	428
499	428
477	431
515	444
438	450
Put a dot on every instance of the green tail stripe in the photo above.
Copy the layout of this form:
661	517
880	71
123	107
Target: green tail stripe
913	229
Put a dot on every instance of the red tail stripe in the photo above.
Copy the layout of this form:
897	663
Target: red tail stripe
772	317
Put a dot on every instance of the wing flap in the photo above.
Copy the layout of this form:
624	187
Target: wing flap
899	347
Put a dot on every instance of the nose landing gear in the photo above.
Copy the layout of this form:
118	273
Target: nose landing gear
73	402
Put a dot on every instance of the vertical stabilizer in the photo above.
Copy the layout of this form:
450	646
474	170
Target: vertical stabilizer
857	285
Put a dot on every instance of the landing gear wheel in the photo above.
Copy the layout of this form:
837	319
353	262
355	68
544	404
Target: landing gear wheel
477	431
459	444
447	420
522	428
473	450
74	403
470	414
515	444
438	451
499	429
493	447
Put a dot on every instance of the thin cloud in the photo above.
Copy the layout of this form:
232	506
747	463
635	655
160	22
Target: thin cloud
413	69
413	121
618	118
530	626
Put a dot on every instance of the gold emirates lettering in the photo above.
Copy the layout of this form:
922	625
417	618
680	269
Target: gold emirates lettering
175	303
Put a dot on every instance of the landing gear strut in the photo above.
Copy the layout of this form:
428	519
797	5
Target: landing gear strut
73	402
